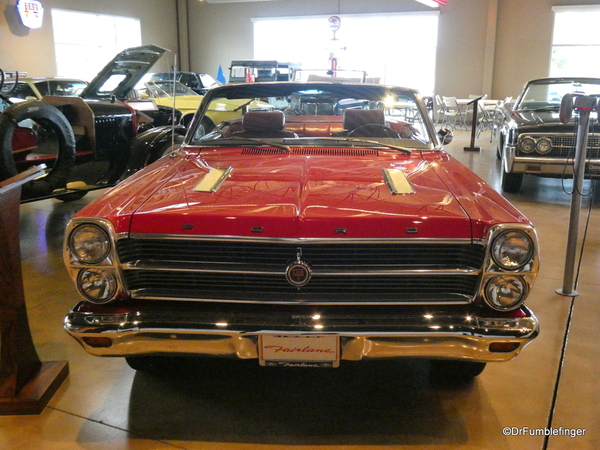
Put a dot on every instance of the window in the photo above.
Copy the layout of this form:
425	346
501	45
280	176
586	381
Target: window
84	43
576	41
363	42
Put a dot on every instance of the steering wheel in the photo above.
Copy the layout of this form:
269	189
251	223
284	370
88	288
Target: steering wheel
374	130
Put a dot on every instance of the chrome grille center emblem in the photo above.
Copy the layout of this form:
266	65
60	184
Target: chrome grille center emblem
298	273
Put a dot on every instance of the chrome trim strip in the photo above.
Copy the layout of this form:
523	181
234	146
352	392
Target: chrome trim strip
179	267
428	302
227	238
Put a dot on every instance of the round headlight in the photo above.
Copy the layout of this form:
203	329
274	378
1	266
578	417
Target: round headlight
505	292
89	243
527	145
544	146
98	286
512	249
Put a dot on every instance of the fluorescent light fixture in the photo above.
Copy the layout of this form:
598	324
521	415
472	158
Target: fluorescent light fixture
431	3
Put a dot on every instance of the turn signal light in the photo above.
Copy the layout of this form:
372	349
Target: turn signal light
504	347
98	342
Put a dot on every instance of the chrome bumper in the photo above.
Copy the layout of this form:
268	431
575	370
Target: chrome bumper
457	334
544	166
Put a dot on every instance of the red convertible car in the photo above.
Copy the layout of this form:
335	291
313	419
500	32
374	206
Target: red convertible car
333	230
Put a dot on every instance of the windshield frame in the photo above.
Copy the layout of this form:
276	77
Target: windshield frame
374	92
520	103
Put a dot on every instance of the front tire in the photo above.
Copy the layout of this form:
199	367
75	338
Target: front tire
146	363
511	181
455	372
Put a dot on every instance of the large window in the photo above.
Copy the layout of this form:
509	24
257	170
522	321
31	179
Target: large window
85	43
398	49
576	41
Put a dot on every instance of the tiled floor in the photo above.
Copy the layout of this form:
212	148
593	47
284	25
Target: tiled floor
104	404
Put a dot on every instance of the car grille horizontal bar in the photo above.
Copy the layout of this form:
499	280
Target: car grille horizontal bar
349	273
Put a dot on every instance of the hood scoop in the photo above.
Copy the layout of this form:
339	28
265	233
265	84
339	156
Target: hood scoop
397	181
309	151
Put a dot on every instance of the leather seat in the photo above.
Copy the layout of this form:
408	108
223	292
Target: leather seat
263	124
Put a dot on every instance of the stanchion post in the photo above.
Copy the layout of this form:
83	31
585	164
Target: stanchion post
584	105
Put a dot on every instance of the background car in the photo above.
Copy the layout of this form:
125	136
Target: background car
256	70
531	139
305	240
38	87
200	83
84	140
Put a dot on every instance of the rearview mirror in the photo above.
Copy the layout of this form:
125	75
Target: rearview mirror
445	135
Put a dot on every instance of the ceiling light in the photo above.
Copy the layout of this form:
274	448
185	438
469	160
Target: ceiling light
431	3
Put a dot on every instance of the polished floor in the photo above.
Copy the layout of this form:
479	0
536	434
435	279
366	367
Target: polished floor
103	404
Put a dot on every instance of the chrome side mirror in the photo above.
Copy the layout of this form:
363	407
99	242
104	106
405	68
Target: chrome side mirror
445	135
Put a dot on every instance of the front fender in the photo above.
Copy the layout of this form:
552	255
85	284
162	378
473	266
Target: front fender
150	145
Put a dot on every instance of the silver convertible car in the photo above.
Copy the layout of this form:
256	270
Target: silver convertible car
531	139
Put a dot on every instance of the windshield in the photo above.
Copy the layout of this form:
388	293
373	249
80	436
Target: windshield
323	114
165	88
547	94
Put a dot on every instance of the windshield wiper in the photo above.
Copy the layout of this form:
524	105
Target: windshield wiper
250	141
405	150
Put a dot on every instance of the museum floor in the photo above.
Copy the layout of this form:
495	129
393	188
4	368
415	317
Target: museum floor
103	404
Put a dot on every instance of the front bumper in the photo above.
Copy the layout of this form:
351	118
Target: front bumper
551	167
226	330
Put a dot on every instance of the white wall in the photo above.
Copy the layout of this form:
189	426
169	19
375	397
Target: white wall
32	50
472	57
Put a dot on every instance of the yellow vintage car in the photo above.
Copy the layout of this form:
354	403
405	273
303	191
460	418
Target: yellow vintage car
182	98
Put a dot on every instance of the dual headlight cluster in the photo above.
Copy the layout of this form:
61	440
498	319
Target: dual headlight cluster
529	144
89	258
512	268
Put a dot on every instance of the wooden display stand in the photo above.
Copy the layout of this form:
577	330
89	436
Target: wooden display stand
26	383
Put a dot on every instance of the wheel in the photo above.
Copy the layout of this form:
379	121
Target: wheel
511	181
374	130
455	372
54	145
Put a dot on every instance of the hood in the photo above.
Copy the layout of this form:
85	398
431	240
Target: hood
184	103
128	68
303	196
546	121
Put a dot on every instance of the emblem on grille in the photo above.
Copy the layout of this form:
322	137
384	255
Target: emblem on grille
298	273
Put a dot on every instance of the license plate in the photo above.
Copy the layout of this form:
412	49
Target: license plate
299	351
592	169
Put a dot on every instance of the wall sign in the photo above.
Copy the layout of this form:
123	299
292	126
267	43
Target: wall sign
31	13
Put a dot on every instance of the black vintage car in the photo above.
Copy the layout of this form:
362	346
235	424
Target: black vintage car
531	139
84	141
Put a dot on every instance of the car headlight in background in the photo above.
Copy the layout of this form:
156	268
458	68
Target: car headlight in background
505	292
89	244
527	145
543	146
512	249
97	285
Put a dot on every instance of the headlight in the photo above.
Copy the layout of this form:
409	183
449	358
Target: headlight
98	286
89	243
527	145
512	249
544	146
505	292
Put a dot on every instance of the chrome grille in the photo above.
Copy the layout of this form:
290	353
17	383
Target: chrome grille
563	145
342	273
